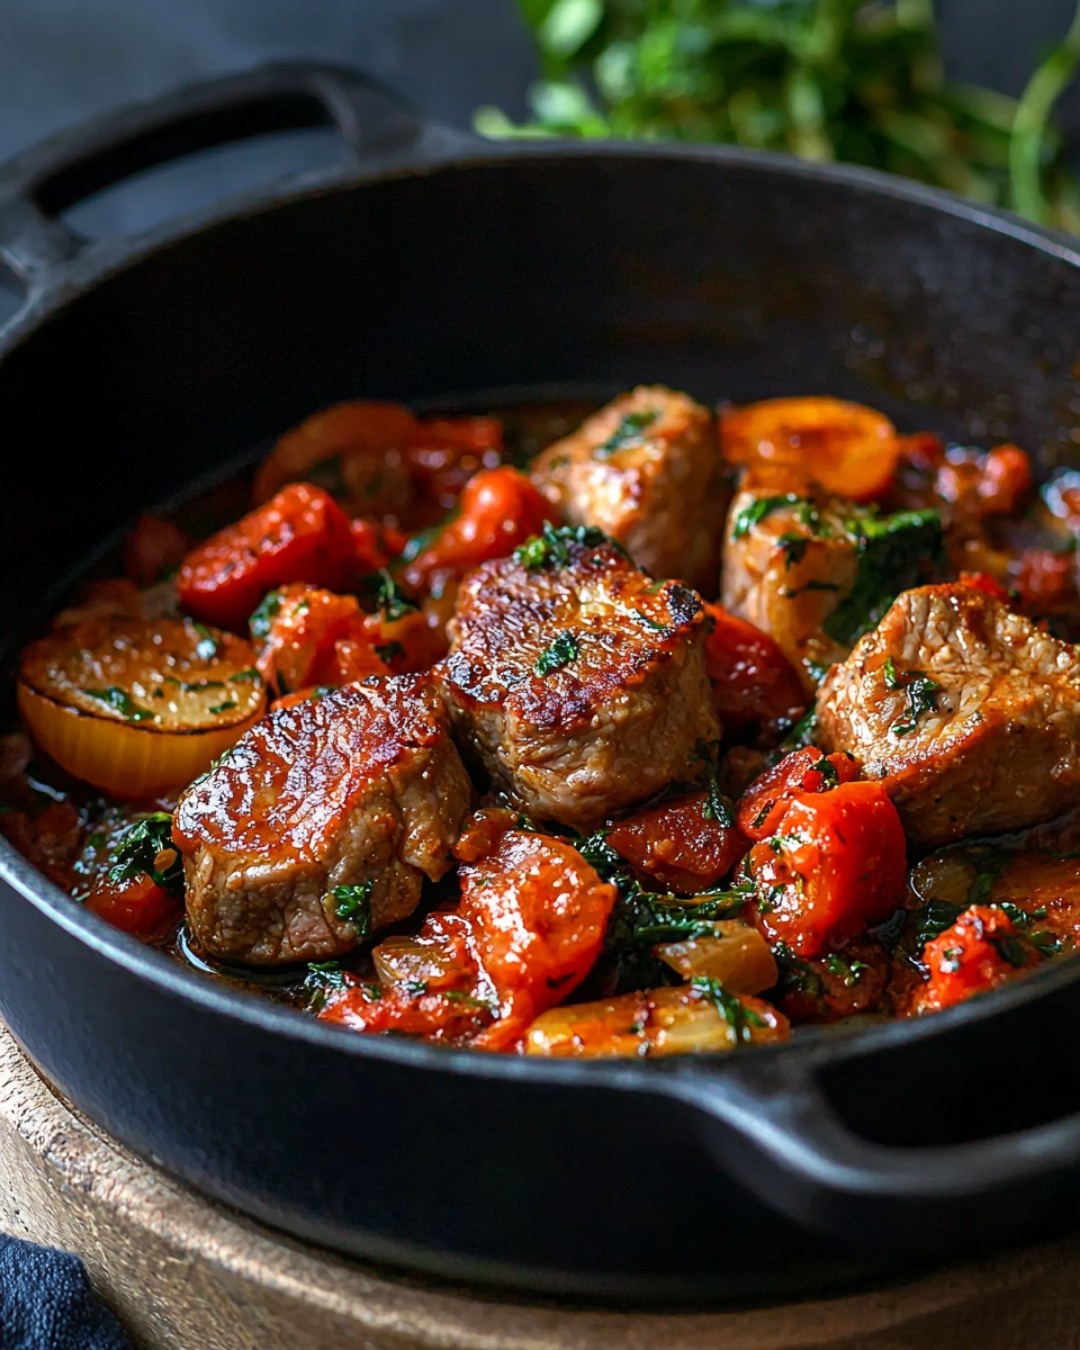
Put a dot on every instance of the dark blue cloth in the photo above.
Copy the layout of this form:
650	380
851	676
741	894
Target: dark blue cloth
48	1303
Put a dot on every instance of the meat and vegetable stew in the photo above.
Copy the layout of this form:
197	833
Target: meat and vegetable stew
640	731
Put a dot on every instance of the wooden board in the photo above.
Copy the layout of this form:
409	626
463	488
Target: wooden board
186	1274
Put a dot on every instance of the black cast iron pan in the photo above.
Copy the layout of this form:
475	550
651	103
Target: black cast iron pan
431	266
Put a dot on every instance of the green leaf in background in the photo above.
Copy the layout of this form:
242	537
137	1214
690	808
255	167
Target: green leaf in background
859	81
569	24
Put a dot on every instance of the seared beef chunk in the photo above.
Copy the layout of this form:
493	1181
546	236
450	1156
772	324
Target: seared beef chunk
967	711
577	683
645	470
321	823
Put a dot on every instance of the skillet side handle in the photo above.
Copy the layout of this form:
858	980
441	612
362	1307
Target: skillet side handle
771	1126
39	185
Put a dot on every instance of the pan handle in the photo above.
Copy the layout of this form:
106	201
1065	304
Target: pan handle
49	178
783	1139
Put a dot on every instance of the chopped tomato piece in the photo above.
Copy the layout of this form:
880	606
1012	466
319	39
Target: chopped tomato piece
847	448
837	865
754	685
538	913
981	581
300	535
445	452
528	930
762	806
376	545
982	949
500	509
313	637
139	906
1006	480
153	549
439	993
360	429
679	844
1045	579
413	641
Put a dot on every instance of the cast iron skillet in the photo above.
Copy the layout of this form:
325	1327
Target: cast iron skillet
429	266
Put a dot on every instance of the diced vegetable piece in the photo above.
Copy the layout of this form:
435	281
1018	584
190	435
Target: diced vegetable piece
153	549
299	535
847	448
443	453
137	906
681	843
983	948
538	913
136	707
311	637
1006	481
762	806
1046	580
739	958
376	545
528	929
500	509
344	430
755	687
836	865
433	987
699	1018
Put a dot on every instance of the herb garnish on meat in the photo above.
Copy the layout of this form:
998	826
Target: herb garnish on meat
353	905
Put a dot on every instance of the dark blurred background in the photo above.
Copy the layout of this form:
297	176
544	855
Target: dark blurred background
64	60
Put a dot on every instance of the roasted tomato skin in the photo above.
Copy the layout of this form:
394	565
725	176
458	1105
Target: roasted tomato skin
761	807
500	509
679	844
755	688
982	949
314	638
836	865
847	448
301	534
528	930
139	906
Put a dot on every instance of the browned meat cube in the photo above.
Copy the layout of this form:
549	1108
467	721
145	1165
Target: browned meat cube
646	470
967	711
579	684
321	823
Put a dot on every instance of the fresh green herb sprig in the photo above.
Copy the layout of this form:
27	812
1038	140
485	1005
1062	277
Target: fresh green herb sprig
828	80
551	548
140	847
352	904
741	1019
895	553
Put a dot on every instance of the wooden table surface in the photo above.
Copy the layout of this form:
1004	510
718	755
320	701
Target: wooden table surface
188	1274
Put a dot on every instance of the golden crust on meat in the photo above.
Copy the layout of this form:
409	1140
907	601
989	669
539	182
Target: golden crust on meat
581	688
646	470
362	786
1000	747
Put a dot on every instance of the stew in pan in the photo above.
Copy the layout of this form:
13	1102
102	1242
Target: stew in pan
638	731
